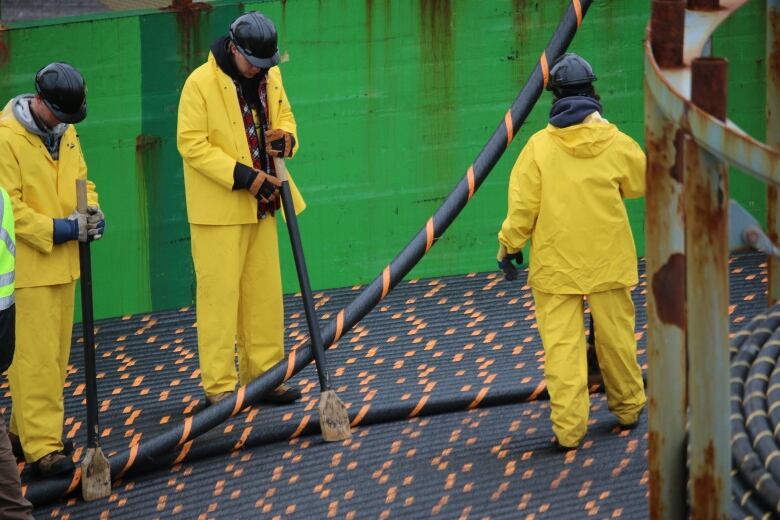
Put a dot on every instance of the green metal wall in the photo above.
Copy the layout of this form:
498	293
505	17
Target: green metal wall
393	101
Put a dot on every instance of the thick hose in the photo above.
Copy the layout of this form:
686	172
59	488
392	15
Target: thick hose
755	378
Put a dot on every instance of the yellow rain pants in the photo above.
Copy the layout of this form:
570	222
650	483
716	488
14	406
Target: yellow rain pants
561	326
239	302
44	324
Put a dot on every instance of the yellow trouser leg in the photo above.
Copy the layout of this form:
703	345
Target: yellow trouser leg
218	253
44	324
613	315
561	326
260	309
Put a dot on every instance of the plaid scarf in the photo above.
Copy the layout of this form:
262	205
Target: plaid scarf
255	137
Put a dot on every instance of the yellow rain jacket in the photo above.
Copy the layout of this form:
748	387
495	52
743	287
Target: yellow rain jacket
211	138
41	189
571	207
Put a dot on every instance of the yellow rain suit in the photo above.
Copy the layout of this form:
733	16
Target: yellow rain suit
566	195
236	256
41	189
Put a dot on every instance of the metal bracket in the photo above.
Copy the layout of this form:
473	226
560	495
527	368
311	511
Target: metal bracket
746	233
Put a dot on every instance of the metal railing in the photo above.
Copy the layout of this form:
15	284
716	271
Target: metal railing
690	144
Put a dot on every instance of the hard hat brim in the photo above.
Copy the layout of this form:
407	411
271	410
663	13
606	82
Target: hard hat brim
263	63
68	117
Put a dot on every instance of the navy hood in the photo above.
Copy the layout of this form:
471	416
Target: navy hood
573	110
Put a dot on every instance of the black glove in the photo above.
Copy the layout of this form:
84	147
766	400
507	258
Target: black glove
264	187
505	262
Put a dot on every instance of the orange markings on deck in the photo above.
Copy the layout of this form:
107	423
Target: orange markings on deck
133	417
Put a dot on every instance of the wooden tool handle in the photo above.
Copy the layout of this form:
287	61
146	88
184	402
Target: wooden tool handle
281	169
81	195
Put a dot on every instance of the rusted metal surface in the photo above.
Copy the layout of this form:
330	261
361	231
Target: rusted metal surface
667	22
671	89
666	374
709	85
189	19
688	136
773	134
706	210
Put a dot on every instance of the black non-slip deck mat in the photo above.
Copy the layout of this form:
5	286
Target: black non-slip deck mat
430	341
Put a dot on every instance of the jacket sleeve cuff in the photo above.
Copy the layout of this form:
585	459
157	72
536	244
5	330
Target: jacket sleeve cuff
242	176
64	230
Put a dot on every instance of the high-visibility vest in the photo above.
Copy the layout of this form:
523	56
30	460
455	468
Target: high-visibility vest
7	252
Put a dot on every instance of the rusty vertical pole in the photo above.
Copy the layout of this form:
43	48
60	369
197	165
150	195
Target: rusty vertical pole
706	210
665	255
773	134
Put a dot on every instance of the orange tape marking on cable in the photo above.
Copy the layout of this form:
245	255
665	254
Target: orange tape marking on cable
545	68
301	426
130	459
186	433
577	11
339	325
290	365
429	235
242	440
537	391
510	131
361	414
385	282
470	178
74	483
479	398
239	401
183	453
419	407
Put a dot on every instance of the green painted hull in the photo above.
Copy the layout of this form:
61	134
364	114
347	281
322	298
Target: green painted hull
393	99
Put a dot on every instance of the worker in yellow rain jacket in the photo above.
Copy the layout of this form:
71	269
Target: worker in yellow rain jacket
234	116
566	195
40	160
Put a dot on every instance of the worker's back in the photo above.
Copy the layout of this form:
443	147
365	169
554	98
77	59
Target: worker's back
582	241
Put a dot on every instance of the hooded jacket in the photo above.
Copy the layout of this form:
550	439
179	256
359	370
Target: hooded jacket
42	187
566	195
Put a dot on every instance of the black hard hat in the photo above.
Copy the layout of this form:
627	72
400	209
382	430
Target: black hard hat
254	35
570	70
63	90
